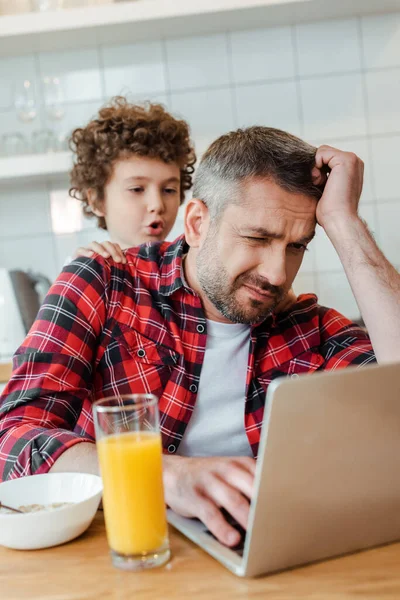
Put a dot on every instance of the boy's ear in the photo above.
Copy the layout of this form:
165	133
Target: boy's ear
94	204
196	222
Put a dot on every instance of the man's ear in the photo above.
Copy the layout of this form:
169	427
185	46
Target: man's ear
95	205
196	222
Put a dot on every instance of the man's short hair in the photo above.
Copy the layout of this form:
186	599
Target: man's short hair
253	152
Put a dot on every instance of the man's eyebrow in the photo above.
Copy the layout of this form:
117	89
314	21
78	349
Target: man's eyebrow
262	232
307	238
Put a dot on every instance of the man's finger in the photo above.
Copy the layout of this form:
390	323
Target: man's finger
212	518
231	499
237	476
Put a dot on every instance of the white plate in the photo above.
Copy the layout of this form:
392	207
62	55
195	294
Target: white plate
31	531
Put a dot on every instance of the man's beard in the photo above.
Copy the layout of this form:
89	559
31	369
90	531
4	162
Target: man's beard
214	281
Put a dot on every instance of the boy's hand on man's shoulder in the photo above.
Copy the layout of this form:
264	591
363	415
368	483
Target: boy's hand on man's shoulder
105	249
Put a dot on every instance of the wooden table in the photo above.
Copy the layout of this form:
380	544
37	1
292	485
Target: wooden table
82	570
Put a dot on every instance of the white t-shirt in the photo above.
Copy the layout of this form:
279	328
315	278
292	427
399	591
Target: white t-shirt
216	427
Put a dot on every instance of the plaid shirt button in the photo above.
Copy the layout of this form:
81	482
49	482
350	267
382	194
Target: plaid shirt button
171	448
141	353
200	328
193	388
294	376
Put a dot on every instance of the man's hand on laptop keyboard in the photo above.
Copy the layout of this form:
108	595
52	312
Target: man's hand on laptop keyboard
199	487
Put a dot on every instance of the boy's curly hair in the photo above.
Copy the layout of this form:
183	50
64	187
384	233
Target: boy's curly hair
122	129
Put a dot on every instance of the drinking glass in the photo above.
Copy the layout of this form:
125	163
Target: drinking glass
130	455
43	141
25	101
13	144
54	99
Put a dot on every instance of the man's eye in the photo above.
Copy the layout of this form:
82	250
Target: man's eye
255	239
298	247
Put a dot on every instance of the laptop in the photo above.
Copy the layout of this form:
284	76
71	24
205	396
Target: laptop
327	480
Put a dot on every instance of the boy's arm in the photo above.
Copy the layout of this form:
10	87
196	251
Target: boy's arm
53	372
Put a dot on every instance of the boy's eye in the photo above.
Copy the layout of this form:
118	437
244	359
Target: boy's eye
170	191
136	189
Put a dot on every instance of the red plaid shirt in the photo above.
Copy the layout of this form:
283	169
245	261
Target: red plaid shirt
107	329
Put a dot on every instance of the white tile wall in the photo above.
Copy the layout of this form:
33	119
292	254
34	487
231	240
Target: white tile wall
383	91
381	41
209	112
35	253
333	106
24	212
385	153
262	54
197	62
389	220
134	69
13	71
78	70
319	52
335	82
271	104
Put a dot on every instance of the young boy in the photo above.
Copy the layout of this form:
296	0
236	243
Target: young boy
133	165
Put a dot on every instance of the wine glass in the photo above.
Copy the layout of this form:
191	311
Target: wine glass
53	94
25	101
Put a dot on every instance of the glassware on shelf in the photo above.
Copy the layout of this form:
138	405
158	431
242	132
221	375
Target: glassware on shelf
25	101
43	141
14	144
53	95
62	142
43	5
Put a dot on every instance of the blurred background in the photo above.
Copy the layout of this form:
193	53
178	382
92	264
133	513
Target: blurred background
329	79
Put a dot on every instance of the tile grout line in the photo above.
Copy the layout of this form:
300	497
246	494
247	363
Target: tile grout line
361	48
232	83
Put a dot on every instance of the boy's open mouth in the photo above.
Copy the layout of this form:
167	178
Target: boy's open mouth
155	227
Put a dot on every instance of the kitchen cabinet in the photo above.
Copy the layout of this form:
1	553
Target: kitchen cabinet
151	19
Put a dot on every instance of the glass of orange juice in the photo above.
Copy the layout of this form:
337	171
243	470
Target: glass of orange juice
130	455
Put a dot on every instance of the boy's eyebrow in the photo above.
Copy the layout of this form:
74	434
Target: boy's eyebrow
144	178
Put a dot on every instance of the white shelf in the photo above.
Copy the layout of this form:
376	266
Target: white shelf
122	22
31	166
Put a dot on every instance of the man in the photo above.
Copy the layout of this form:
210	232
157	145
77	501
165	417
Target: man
205	323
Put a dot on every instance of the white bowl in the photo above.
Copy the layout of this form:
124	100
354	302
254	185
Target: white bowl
34	530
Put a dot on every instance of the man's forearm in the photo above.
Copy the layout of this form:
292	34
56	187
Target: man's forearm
375	284
81	458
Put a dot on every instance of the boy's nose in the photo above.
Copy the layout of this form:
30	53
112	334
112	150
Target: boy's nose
155	203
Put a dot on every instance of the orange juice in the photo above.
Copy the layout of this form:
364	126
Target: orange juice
133	496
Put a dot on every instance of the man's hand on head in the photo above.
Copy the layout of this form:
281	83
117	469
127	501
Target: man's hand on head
200	487
343	184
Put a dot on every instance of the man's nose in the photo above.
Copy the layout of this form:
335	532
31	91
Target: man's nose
273	269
